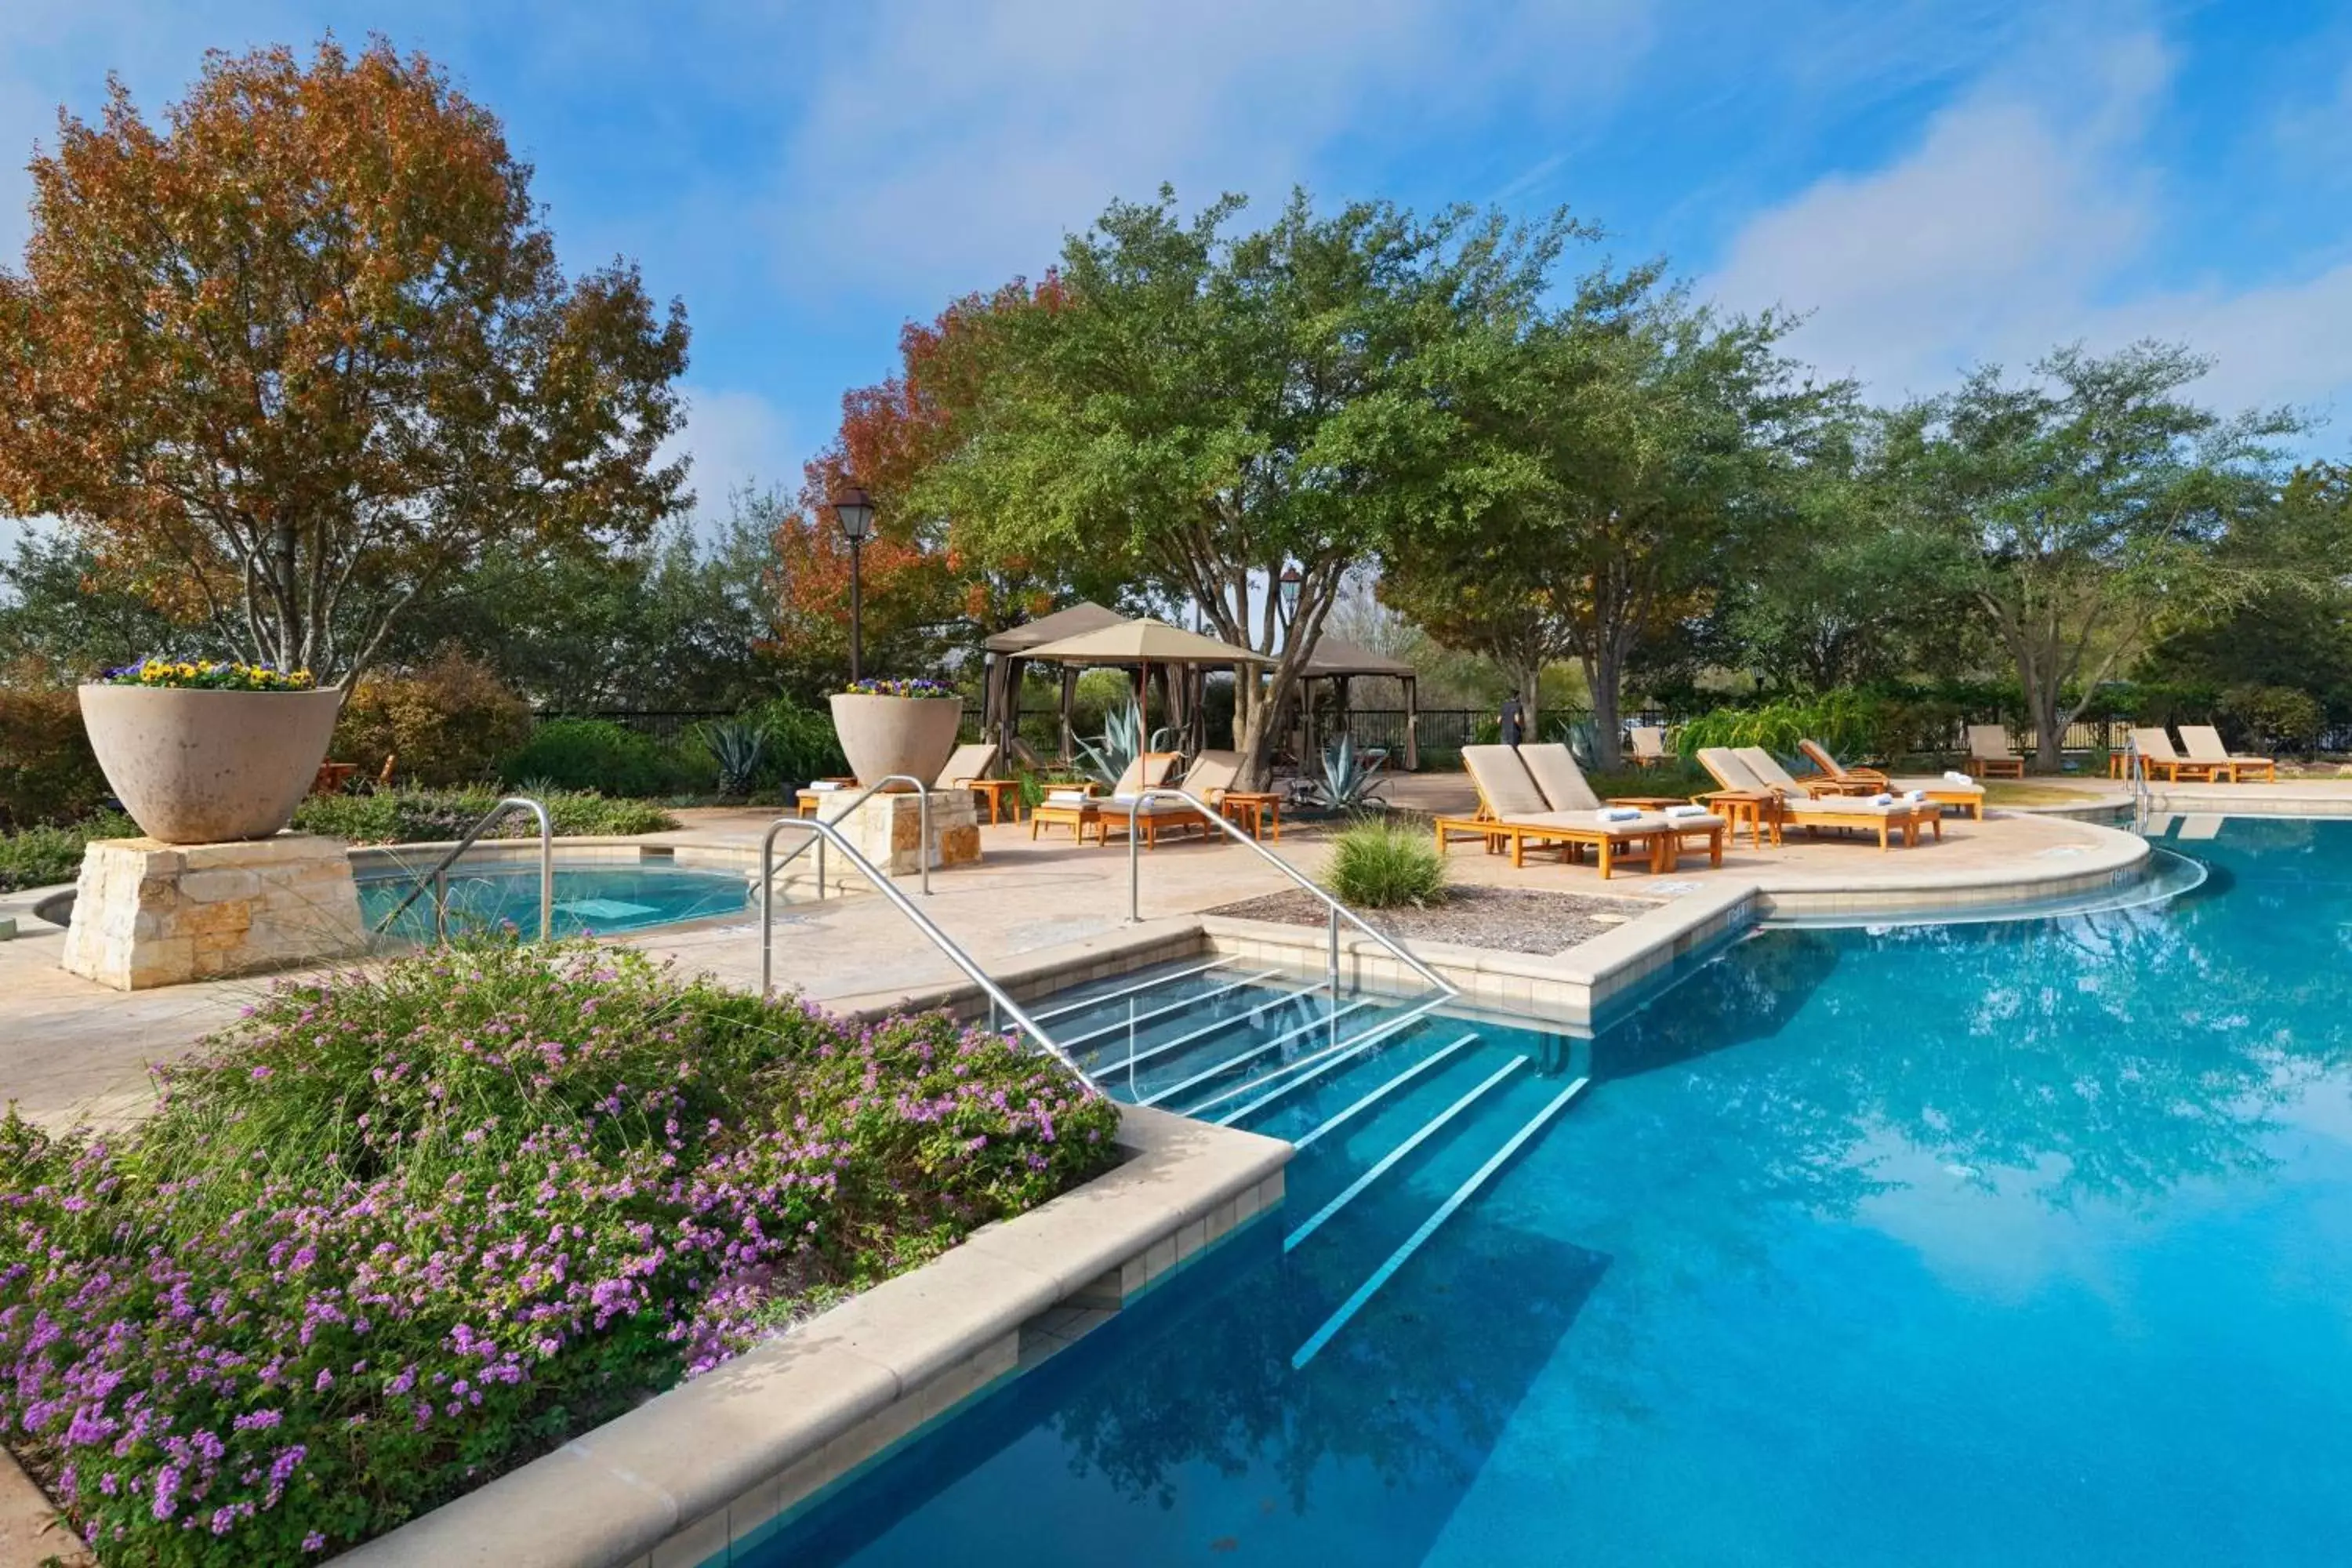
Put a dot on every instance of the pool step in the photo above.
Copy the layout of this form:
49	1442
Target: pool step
1454	1202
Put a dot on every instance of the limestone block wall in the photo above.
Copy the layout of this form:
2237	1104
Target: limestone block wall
148	913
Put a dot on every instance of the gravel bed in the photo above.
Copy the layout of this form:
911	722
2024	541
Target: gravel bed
1509	918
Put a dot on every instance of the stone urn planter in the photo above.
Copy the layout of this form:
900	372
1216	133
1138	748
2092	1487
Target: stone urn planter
208	767
886	735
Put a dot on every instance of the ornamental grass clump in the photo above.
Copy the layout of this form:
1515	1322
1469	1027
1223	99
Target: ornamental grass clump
1380	865
397	1233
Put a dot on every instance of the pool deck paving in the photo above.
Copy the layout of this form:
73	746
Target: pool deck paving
71	1050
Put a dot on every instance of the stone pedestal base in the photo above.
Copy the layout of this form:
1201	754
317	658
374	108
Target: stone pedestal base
887	830
148	913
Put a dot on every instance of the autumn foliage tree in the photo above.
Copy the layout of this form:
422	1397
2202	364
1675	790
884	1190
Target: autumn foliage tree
921	581
297	356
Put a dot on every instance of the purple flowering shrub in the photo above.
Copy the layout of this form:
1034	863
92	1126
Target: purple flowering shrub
398	1232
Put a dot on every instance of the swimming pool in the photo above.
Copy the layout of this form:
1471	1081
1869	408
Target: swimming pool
600	898
1990	1244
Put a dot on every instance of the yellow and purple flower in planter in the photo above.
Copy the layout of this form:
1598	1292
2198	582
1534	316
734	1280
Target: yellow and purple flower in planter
220	676
914	686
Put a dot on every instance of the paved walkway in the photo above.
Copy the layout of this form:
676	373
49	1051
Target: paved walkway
72	1050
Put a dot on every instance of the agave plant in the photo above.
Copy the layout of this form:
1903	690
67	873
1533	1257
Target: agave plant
739	748
1348	783
1122	740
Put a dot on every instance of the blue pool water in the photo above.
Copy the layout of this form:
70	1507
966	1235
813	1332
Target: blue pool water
1998	1244
603	898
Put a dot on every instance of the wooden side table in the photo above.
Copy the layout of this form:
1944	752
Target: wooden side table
997	793
1078	816
1760	812
1254	812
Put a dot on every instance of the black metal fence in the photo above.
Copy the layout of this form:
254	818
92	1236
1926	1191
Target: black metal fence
1442	730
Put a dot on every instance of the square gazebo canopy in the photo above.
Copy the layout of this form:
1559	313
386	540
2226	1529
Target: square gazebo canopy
1000	706
1339	661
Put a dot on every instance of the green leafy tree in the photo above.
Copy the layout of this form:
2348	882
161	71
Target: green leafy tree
2083	511
297	357
1205	407
1650	443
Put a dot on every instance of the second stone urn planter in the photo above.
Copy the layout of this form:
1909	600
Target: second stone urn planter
882	735
195	766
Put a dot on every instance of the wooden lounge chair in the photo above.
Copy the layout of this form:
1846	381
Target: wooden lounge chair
1778	779
1819	755
2203	743
1883	818
1991	756
2159	760
1079	807
1565	789
1211	776
967	768
1948	790
1514	812
1649	745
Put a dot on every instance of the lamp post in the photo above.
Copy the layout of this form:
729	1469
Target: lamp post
854	510
1286	592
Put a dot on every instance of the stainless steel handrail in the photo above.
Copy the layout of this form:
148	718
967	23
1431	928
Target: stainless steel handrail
825	832
1338	910
436	878
922	813
2136	774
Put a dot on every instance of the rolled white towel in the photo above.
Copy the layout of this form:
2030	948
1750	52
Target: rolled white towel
1914	795
1882	799
823	786
1689	811
1125	799
1619	814
1067	797
1953	775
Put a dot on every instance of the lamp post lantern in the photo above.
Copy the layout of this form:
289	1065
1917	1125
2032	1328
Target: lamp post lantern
1288	591
854	510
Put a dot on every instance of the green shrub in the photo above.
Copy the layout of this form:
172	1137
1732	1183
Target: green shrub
2274	718
402	1230
1378	865
1852	724
802	745
432	816
598	754
47	772
37	856
451	722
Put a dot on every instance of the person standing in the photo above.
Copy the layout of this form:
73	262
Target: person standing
1515	718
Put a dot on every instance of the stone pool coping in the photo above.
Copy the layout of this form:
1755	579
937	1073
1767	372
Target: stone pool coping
1570	988
721	1462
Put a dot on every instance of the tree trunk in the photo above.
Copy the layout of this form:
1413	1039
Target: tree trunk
1603	672
1531	703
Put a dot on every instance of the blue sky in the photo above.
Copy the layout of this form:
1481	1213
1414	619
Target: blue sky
1936	181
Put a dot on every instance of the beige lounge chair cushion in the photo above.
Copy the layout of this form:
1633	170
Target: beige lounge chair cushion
967	762
1848	805
1767	766
1212	773
1729	772
1649	741
1554	769
1150	770
1991	741
2156	745
1503	780
2204	743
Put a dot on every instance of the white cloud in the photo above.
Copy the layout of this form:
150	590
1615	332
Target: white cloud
954	144
2017	223
737	440
1988	236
